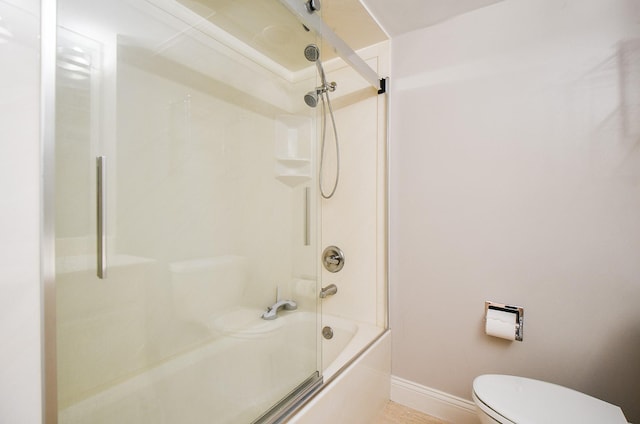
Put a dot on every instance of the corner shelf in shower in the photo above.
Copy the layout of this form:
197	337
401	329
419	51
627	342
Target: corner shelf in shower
293	162
293	149
292	180
293	171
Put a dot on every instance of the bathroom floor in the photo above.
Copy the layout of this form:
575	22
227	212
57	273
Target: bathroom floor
395	413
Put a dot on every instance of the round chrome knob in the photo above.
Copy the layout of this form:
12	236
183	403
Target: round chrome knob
333	259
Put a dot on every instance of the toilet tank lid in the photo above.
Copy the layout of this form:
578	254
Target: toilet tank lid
524	400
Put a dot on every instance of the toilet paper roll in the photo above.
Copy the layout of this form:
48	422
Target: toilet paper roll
501	324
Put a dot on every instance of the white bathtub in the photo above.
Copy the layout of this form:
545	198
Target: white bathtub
357	394
241	373
349	339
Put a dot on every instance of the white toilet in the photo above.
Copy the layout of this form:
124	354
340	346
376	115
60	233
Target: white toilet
508	399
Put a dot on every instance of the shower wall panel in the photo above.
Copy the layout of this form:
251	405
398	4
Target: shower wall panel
198	174
20	355
354	219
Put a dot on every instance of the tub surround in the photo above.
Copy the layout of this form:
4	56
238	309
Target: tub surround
20	297
356	393
354	219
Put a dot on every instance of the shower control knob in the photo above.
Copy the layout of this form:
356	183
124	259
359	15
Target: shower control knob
333	259
313	5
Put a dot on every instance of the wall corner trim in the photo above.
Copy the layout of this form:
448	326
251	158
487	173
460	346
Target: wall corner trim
433	402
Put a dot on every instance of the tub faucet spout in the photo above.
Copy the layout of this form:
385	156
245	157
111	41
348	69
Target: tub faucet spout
330	290
272	311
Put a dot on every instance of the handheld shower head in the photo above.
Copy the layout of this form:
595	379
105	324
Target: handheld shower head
312	53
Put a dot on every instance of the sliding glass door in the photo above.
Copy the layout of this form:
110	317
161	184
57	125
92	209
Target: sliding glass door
185	207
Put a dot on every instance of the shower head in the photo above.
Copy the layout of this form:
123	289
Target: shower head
312	53
311	98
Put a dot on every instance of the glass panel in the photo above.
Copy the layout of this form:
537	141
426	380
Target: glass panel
197	108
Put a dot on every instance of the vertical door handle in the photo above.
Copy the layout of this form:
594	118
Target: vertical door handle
101	215
307	216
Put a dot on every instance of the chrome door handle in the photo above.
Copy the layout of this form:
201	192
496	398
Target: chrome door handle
307	217
101	216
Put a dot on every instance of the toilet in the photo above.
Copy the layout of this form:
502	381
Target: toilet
508	399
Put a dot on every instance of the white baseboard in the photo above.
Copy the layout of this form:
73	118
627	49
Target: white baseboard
433	402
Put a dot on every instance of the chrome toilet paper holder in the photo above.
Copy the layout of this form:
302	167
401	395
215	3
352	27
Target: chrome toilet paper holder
517	310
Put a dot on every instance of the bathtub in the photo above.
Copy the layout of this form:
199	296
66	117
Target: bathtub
358	391
202	385
349	339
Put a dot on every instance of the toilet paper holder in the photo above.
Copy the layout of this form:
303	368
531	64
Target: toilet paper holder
517	310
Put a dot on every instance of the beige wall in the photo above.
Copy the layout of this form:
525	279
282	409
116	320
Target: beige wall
19	214
516	178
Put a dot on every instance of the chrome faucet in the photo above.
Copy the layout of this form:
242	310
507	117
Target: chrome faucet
272	311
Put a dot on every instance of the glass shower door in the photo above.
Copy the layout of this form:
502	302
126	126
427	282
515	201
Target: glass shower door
185	207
